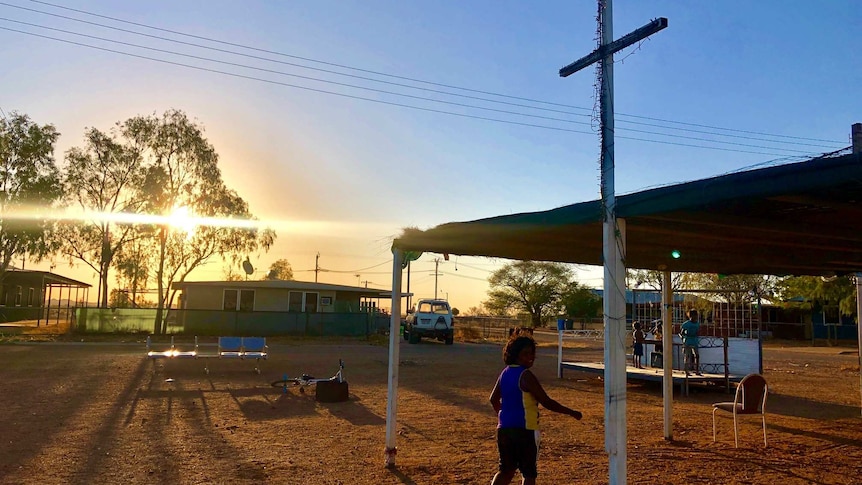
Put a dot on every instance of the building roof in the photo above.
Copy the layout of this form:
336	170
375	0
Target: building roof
796	219
285	284
50	278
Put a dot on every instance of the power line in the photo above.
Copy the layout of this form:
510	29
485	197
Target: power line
370	267
474	267
458	275
381	91
209	39
348	272
361	270
390	103
269	81
328	71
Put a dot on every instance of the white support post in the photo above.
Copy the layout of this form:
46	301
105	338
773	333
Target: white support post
560	354
667	352
859	326
392	392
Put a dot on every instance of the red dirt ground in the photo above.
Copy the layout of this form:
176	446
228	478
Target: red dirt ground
100	412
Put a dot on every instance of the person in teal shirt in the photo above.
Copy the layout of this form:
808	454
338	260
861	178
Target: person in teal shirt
691	343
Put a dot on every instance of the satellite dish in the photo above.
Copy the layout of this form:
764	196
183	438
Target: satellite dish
246	265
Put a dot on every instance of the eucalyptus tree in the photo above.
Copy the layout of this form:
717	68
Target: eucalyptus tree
132	264
647	279
29	186
534	287
816	291
189	248
182	174
580	301
280	270
102	179
736	289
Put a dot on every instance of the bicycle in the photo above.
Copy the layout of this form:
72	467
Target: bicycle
330	389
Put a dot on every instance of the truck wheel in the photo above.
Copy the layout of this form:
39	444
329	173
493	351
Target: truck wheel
450	339
414	338
406	334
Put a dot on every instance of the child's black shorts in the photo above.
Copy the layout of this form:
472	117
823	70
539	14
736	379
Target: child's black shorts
519	450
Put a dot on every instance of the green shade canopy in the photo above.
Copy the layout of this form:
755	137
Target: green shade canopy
796	219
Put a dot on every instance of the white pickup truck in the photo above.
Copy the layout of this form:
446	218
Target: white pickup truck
431	319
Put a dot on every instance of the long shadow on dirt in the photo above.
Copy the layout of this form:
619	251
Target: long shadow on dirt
801	407
73	379
838	440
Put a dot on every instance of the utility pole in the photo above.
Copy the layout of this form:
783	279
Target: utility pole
409	298
316	266
856	137
613	239
436	274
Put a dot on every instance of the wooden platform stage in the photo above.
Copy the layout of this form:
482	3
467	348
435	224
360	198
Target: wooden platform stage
655	374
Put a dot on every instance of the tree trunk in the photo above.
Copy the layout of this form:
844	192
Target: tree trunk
103	280
158	327
104	264
536	319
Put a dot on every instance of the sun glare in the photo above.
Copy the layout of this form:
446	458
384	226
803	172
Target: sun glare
181	220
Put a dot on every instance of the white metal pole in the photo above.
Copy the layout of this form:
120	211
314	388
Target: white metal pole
856	137
560	353
859	326
392	392
667	352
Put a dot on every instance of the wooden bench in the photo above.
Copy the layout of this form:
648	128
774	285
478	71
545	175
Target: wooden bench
240	348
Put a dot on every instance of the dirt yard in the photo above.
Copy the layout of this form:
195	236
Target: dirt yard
100	412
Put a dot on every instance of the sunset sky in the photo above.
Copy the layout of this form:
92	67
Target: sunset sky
417	113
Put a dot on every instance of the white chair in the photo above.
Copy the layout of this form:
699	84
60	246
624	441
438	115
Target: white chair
750	398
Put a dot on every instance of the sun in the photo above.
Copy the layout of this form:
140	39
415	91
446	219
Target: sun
181	220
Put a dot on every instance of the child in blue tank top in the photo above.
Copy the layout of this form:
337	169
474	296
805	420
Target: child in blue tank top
516	398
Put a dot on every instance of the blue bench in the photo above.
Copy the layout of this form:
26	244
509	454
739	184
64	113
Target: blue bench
241	348
171	352
157	351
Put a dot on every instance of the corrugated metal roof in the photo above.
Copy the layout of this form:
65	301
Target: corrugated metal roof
51	278
796	219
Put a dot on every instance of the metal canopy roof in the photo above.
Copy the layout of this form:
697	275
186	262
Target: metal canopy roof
50	278
796	219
